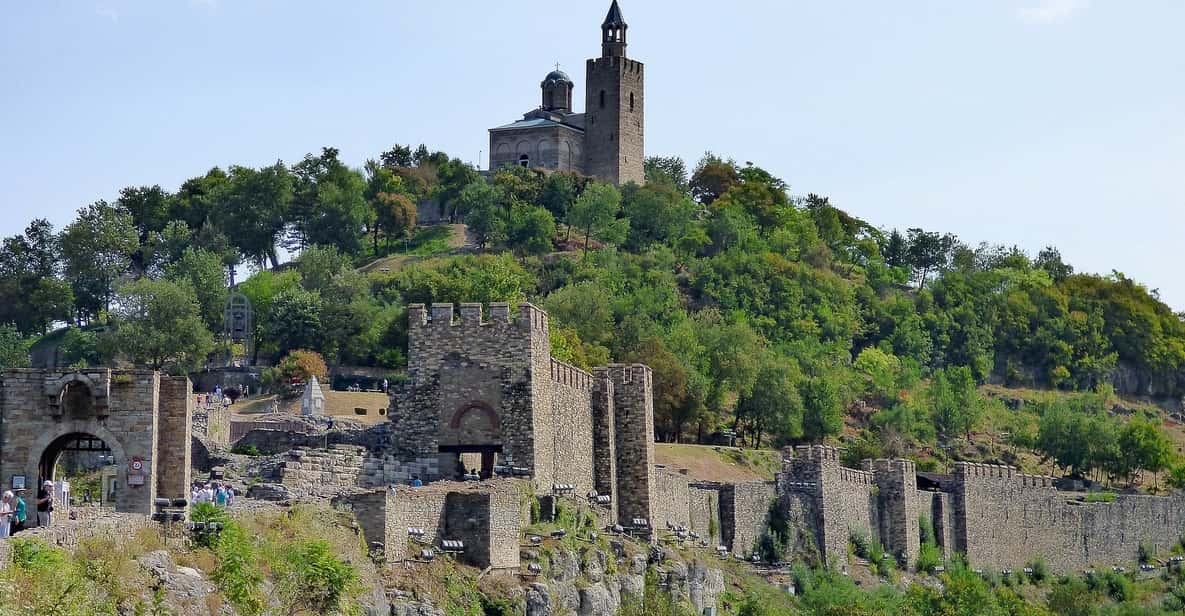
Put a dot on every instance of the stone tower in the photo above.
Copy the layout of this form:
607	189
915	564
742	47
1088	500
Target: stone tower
613	143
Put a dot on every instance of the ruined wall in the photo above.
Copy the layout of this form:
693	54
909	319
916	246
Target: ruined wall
319	472
175	437
1004	518
485	516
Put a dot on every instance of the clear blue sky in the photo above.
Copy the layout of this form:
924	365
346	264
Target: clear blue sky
1028	122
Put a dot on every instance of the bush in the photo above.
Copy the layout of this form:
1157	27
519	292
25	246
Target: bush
860	544
929	558
237	574
1040	570
1100	497
313	580
1146	553
246	449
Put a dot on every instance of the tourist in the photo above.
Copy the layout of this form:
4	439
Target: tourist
220	498
416	483
45	503
19	511
5	513
384	385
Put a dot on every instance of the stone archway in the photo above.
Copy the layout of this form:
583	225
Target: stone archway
135	414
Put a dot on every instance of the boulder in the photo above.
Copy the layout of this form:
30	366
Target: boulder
269	492
538	600
596	600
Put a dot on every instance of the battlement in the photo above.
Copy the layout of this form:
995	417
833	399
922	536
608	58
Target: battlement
625	65
817	453
852	475
971	471
638	375
894	466
571	376
530	317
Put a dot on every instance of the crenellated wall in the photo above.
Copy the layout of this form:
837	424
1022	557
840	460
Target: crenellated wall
487	384
996	516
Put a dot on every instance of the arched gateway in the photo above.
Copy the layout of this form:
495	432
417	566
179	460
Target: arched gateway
138	420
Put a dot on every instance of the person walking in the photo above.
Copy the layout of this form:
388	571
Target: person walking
19	511
5	514
45	503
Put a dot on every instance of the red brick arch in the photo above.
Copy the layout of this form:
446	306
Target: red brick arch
475	405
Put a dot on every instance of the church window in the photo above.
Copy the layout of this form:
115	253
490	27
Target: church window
524	161
631	101
602	99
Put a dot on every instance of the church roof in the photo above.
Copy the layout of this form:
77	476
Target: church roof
557	75
535	123
614	17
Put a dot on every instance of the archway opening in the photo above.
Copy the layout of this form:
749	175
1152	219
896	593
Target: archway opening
84	460
524	161
473	441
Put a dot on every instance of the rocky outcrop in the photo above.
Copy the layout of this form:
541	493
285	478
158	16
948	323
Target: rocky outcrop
184	590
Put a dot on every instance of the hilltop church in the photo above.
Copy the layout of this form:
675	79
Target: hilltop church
605	141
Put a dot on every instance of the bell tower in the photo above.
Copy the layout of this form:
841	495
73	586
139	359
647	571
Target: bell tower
614	119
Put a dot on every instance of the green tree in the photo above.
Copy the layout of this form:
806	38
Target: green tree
329	204
34	295
294	322
203	271
14	348
531	230
559	192
774	406
822	408
158	323
713	176
595	213
954	402
261	290
97	249
667	170
253	209
483	213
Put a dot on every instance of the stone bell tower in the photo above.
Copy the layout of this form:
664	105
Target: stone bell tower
614	125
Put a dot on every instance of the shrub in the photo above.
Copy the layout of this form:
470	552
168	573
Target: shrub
237	574
246	449
929	558
1040	570
1146	553
313	580
860	544
1100	497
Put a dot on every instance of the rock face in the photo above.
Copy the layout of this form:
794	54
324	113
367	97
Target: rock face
586	585
185	589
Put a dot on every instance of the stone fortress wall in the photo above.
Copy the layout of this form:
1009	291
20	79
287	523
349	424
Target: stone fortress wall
486	383
995	515
141	417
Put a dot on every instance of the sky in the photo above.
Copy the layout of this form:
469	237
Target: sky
1019	122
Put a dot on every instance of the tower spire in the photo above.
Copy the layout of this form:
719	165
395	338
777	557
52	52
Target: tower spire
613	32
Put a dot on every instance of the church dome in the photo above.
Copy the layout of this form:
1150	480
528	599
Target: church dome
557	76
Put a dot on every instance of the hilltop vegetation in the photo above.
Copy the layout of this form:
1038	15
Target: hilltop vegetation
761	312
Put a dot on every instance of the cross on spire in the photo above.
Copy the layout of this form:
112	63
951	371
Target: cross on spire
557	66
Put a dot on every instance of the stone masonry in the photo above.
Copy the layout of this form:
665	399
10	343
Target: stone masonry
996	516
141	416
489	386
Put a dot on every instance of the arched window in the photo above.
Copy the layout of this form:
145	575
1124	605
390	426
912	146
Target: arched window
524	161
602	99
631	101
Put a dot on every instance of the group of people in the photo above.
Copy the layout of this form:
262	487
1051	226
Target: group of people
219	494
14	510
